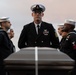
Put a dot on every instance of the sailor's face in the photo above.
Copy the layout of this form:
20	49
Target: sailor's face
11	33
37	15
7	24
60	31
64	34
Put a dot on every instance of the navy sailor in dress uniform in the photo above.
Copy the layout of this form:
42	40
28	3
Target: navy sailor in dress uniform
68	44
31	37
5	42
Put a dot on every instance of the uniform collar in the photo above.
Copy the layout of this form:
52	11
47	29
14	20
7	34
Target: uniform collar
37	24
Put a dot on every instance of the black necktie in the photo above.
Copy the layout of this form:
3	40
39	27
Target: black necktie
38	28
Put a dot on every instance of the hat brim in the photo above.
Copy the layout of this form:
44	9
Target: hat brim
39	8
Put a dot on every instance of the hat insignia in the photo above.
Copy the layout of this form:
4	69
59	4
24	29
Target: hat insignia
37	6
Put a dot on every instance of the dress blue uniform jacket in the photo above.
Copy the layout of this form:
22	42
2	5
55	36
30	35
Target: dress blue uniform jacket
68	44
5	45
5	49
47	36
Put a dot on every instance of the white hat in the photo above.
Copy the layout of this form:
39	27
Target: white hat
3	19
38	7
61	25
71	22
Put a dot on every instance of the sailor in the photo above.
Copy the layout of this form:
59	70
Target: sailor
60	27
5	43
38	33
68	45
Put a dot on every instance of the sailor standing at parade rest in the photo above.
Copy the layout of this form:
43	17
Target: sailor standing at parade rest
38	33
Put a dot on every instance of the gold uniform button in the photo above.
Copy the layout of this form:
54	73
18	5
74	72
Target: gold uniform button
42	41
35	42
